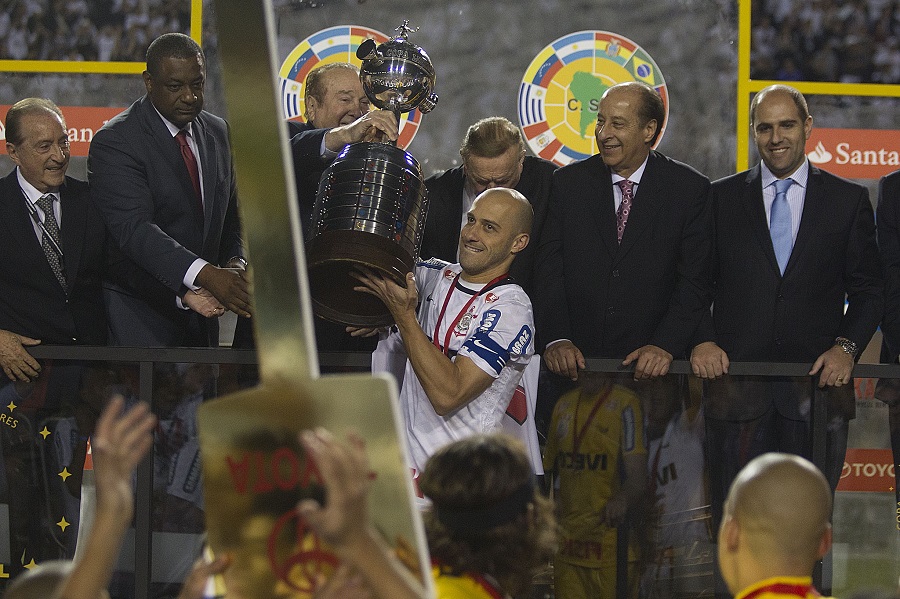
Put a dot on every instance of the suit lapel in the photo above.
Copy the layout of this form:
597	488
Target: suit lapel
206	148
813	212
72	230
168	147
755	208
19	226
646	204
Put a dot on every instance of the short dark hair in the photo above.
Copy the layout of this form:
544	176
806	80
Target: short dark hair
171	45
478	475
23	108
315	80
491	137
796	96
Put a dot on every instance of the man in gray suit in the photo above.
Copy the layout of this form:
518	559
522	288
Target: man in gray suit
161	174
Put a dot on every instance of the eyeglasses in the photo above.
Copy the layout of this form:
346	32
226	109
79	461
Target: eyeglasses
48	146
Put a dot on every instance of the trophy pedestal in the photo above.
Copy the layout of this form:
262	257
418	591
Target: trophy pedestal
331	257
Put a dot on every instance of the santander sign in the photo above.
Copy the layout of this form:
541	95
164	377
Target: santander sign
855	153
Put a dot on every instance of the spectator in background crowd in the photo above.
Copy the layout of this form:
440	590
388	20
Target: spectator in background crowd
826	40
67	30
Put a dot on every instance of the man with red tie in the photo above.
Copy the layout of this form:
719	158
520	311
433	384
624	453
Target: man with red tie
161	174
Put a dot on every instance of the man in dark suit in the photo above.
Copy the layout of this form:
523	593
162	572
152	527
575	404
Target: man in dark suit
791	243
623	260
161	174
52	242
337	114
59	303
493	155
888	219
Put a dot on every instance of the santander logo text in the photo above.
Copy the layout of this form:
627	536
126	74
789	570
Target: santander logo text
855	153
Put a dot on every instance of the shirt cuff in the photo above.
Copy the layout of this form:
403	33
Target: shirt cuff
324	152
190	279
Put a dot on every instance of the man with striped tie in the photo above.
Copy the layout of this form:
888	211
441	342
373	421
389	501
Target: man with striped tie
51	240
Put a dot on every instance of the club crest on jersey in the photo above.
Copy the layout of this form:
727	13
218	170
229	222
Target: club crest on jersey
449	274
490	298
462	327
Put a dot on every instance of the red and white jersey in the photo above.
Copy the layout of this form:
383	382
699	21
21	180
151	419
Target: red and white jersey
490	324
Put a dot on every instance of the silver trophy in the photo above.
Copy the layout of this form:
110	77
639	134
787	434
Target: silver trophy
397	75
371	205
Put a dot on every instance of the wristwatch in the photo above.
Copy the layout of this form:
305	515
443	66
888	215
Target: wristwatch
848	346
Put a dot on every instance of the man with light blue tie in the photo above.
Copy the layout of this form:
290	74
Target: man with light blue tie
792	242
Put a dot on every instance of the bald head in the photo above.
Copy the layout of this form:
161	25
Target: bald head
497	228
519	208
776	520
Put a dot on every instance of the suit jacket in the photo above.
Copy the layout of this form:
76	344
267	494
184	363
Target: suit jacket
306	144
445	200
142	187
32	302
888	219
760	315
609	298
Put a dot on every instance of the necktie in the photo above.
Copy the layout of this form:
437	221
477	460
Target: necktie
624	210
51	230
780	224
190	161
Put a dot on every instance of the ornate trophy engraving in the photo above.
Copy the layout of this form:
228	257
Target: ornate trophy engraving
371	206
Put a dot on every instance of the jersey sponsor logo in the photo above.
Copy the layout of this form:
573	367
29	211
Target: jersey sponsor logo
488	350
520	344
489	320
491	297
570	460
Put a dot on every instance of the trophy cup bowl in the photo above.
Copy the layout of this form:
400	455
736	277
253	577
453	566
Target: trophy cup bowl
371	204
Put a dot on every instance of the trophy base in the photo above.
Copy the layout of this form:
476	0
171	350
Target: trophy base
332	255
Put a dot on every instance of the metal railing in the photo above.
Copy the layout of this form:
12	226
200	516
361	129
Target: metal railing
147	358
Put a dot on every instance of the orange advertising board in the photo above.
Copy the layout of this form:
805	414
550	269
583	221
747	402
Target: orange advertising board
868	470
82	122
855	153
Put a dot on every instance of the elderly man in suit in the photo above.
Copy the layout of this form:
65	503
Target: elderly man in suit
52	241
337	114
792	243
623	260
493	155
161	174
